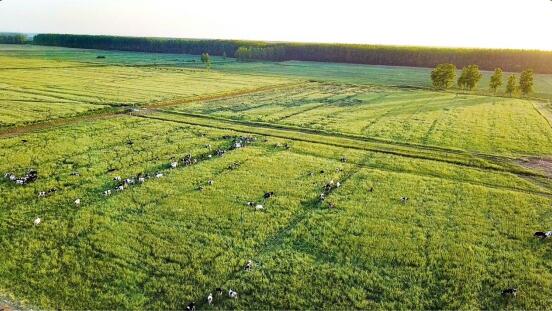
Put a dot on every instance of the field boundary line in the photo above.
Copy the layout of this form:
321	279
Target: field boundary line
539	106
335	134
501	161
111	110
349	146
216	96
425	175
38	126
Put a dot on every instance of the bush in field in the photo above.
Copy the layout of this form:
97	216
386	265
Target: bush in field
443	76
496	80
526	82
470	77
511	86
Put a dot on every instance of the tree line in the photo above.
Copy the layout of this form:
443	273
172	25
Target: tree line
13	39
488	59
444	77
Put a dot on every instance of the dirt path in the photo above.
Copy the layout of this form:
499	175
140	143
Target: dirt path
114	111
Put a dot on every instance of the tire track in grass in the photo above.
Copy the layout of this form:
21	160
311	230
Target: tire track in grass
465	159
460	180
116	109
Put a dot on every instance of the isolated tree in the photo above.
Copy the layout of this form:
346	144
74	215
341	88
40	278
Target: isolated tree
496	80
443	76
511	86
526	82
470	77
206	59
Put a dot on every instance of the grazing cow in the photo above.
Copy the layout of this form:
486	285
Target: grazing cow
77	202
543	235
75	174
141	180
107	193
32	175
210	182
268	195
174	164
42	194
120	188
371	189
322	172
311	174
322	197
331	206
210	298
232	294
209	156
259	207
20	182
251	203
208	146
158	175
509	292
191	306
236	145
219	152
337	184
404	200
117	178
219	291
343	159
37	221
201	188
248	265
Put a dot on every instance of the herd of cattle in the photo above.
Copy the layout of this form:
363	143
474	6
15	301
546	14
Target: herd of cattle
188	160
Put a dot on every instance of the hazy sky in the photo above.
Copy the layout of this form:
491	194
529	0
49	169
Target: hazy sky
470	23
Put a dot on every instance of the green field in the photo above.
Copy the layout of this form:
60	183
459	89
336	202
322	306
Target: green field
464	235
475	123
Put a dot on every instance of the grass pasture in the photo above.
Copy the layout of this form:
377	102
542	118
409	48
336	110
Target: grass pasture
467	122
164	243
464	235
48	89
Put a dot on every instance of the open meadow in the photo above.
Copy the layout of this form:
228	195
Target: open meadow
355	188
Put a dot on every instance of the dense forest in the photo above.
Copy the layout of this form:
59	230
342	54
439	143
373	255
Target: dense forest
12	39
487	59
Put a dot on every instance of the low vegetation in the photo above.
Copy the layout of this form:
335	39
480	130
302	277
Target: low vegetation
296	185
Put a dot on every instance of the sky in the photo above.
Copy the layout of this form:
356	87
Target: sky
525	24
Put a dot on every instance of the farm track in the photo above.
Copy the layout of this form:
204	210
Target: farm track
315	136
362	165
16	131
487	156
119	110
